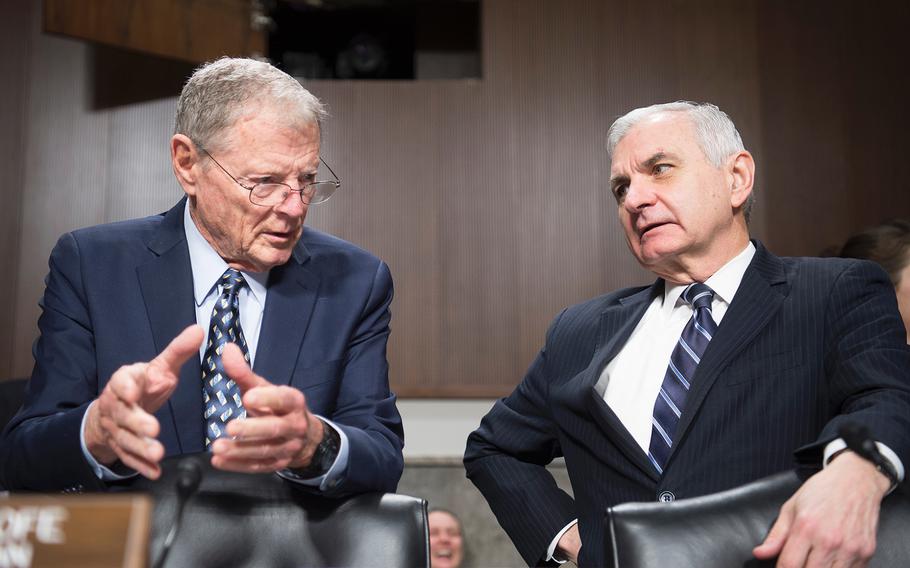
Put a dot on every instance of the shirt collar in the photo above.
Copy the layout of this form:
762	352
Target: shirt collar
208	267
724	282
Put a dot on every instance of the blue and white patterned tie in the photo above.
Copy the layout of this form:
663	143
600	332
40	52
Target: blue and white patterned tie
671	400
221	395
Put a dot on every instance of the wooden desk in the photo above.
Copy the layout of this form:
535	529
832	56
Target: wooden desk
74	530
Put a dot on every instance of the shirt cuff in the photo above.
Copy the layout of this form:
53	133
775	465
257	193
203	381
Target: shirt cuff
330	479
551	550
101	472
839	444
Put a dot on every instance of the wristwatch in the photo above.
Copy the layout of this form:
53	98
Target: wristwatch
323	457
859	441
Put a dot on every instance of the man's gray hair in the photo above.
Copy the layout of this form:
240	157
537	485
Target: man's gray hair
216	93
717	135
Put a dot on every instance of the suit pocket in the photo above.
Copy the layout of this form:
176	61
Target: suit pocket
766	367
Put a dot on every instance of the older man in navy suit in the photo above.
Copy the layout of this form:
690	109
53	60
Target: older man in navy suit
223	324
734	365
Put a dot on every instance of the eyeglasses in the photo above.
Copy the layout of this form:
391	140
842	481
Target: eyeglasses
272	194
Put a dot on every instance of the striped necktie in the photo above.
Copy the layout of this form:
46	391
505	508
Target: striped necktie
671	399
221	395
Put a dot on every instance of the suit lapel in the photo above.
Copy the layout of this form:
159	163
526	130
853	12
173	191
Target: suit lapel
616	325
761	293
293	289
167	288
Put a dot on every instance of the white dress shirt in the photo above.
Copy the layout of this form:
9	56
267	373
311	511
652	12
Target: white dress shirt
208	267
634	376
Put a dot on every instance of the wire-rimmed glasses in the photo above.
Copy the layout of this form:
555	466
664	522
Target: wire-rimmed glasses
273	193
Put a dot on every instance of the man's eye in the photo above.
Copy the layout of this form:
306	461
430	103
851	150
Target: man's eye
662	168
619	191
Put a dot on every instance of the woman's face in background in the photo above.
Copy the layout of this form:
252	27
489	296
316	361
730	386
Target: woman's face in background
446	549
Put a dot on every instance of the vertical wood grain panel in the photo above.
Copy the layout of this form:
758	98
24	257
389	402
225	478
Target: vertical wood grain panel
876	86
15	45
181	29
66	171
834	107
488	197
804	114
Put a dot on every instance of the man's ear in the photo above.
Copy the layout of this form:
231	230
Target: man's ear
185	158
741	175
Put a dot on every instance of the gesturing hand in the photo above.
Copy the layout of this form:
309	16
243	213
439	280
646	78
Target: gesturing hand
279	431
120	425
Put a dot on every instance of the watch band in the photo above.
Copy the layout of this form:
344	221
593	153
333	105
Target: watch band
324	456
860	442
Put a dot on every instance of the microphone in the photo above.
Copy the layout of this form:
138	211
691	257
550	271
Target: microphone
189	476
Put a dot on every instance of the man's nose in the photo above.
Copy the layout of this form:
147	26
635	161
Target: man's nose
293	205
639	194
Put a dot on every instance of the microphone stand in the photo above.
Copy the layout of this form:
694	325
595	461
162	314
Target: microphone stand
189	475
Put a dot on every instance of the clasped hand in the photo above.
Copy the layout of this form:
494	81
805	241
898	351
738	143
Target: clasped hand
279	431
831	520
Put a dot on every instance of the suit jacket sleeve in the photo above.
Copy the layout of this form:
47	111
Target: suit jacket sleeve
506	457
867	362
365	408
40	447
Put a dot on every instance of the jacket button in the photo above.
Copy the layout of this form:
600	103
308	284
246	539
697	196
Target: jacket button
666	497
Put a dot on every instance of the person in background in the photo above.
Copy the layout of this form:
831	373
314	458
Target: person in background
887	244
446	539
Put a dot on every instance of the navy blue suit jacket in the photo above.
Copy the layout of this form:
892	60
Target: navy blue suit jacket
806	344
119	293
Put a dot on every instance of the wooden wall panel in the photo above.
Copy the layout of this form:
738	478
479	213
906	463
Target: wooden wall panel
876	87
66	169
834	108
804	116
191	30
488	197
15	45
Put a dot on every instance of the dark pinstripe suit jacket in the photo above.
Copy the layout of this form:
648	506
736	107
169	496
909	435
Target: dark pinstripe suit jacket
805	344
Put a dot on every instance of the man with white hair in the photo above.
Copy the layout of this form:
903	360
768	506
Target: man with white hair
734	365
259	340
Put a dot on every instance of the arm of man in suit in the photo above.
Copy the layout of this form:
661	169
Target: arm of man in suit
41	448
506	457
868	365
281	433
365	406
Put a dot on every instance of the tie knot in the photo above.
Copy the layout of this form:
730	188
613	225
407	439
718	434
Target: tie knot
698	295
232	281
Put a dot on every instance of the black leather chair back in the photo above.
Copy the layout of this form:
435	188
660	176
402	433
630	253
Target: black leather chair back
264	521
720	530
